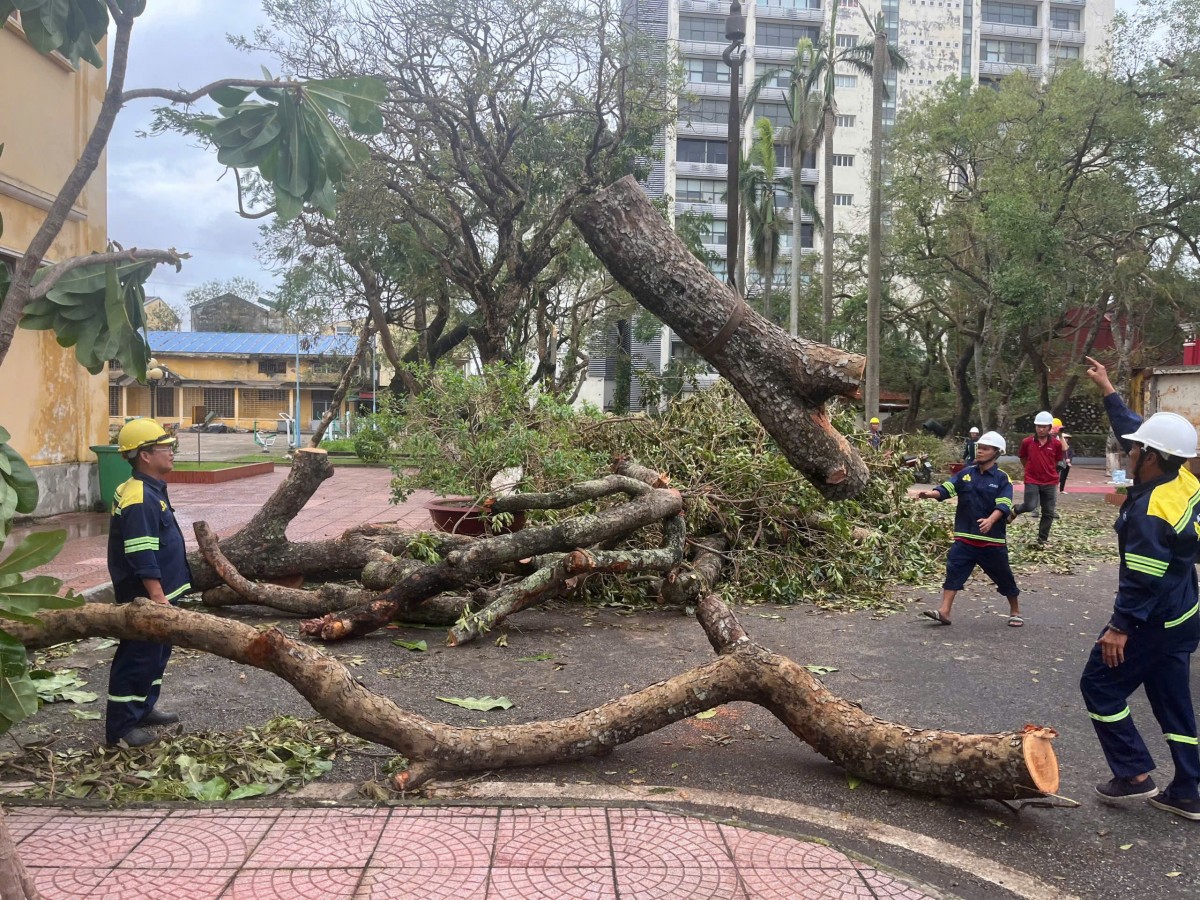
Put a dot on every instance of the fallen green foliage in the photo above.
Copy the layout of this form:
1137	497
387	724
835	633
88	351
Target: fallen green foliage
284	754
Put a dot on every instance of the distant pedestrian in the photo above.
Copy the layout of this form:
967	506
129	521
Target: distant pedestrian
1040	453
1064	465
876	435
1155	624
969	446
984	499
146	558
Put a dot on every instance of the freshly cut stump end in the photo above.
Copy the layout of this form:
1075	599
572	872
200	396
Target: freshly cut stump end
1039	757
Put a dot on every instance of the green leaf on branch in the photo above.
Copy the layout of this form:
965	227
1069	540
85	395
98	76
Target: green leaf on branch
415	646
481	704
35	550
19	479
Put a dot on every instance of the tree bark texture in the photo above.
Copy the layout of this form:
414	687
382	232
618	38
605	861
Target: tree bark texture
784	380
685	585
975	766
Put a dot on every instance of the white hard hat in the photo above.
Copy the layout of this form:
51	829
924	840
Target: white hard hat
974	430
1043	418
992	439
1167	432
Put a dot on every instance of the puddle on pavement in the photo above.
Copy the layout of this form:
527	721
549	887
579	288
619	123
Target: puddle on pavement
76	525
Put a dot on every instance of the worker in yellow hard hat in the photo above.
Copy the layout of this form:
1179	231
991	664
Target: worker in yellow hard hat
876	435
146	559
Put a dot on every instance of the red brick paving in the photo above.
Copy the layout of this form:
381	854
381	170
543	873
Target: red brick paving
427	853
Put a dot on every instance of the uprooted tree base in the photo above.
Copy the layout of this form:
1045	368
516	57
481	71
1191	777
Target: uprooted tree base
536	563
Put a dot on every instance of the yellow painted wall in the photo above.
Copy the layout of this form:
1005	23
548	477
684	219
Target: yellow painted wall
51	406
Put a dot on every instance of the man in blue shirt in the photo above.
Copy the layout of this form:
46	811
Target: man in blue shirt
1155	624
984	500
146	558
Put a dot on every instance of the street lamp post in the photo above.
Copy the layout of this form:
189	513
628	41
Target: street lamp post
154	374
734	55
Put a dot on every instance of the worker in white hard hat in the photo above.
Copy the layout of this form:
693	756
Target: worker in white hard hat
984	500
969	446
146	559
1041	453
1155	623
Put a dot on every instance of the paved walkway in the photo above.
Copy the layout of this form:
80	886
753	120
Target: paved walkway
453	852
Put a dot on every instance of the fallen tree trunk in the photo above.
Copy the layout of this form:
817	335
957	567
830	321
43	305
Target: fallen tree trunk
783	379
687	585
971	766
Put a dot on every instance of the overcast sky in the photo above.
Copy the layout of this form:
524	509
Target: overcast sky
164	191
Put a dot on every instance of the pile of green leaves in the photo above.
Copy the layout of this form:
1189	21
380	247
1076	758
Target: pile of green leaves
284	754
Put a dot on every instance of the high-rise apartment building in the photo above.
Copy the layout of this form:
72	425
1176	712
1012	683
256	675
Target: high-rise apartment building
983	40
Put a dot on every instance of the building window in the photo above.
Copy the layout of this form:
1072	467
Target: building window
272	367
715	233
695	28
1012	52
164	401
718	268
781	34
783	157
706	71
845	81
114	401
114	365
219	402
696	151
777	113
704	109
845	121
1010	13
699	190
847	40
848	4
1065	19
1063	52
843	199
258	403
792	4
843	159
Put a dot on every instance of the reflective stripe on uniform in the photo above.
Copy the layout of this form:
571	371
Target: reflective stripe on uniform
1180	738
1187	615
1116	717
187	586
130	698
949	486
1146	564
157	682
133	545
1004	501
978	537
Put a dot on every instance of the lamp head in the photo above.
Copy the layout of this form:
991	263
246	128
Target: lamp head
735	23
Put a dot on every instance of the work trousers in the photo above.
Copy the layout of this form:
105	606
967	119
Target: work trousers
1045	495
1158	658
133	685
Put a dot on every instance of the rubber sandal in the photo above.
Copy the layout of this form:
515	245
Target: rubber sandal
1015	622
936	615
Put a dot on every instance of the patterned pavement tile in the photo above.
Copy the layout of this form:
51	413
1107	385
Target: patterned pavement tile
758	850
24	821
436	842
552	884
195	842
642	839
553	838
86	842
888	888
424	884
294	884
325	842
134	884
680	884
68	884
808	884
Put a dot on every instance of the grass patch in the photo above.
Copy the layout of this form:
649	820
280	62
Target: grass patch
214	465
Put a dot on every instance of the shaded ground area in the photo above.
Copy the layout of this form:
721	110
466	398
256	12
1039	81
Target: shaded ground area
977	675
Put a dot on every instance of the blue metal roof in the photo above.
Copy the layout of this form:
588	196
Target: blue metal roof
220	343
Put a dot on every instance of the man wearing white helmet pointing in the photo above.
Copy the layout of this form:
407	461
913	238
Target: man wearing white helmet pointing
1155	623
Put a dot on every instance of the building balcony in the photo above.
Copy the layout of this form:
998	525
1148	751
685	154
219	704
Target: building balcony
788	13
703	129
807	176
1024	32
1062	36
1070	2
773	55
707	49
700	170
704	6
1001	69
716	210
709	89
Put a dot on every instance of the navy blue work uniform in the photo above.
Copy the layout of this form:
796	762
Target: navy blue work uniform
1158	535
144	542
979	495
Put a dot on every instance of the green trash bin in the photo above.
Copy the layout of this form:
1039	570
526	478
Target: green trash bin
114	471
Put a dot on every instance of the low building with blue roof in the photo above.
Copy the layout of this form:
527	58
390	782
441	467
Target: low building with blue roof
241	380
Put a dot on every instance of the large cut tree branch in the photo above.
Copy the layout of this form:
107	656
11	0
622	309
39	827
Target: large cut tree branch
1001	766
784	380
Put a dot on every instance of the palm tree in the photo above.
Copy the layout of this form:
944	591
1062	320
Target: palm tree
803	134
758	189
827	58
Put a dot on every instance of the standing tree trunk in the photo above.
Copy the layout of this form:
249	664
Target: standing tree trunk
827	225
784	380
797	230
875	226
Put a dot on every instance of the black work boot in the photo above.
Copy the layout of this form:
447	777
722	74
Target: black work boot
158	716
135	737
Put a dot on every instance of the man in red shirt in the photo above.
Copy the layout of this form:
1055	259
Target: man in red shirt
1040	454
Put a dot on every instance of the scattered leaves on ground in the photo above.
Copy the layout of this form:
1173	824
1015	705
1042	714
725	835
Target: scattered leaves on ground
415	646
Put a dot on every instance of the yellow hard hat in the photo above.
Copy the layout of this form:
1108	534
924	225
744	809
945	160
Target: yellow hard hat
1057	423
141	433
874	420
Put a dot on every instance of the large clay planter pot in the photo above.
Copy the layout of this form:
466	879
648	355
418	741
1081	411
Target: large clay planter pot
460	515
